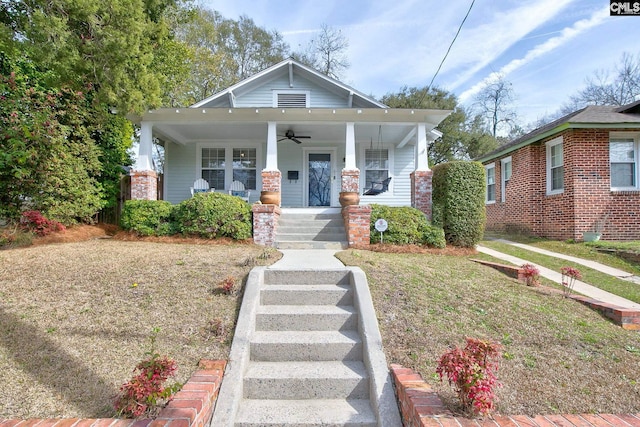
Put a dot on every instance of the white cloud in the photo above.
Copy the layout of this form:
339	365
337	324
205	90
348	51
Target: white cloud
553	43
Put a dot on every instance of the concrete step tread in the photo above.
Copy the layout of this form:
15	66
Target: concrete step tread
306	294
306	337
307	309
304	287
306	413
353	369
311	245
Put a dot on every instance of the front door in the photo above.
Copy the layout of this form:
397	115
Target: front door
319	179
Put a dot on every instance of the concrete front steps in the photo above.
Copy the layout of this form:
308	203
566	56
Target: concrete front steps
307	352
311	228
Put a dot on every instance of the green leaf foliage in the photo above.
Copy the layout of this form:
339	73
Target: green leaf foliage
212	215
406	226
458	201
48	160
148	217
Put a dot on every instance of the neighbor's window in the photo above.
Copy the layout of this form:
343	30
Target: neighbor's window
491	183
623	154
505	172
213	166
555	166
376	167
244	167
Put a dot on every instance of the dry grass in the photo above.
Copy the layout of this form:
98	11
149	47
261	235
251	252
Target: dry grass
559	356
75	318
73	325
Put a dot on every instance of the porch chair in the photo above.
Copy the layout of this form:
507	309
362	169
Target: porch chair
199	186
378	187
237	189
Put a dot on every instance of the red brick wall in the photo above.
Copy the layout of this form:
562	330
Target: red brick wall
586	200
144	185
271	180
265	224
421	190
357	220
350	180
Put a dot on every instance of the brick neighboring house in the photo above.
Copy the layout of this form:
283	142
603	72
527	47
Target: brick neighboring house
574	175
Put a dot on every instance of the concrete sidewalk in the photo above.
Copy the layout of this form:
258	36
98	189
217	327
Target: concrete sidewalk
580	287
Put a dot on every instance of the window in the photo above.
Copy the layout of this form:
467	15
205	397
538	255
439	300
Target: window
555	166
213	167
505	172
244	167
623	156
376	167
491	183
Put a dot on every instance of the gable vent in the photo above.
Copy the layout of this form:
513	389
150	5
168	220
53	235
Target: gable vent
292	100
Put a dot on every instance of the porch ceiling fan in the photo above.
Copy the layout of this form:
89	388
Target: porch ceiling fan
292	136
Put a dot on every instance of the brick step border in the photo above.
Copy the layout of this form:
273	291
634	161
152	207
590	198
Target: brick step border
626	318
192	406
420	406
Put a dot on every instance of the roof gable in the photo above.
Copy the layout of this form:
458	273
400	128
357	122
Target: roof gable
293	77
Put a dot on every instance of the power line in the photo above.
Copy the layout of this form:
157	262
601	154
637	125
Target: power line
448	50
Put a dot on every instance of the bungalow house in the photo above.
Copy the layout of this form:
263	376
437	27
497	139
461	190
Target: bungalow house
576	175
295	133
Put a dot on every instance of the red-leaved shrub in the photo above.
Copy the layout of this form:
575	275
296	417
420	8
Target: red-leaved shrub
35	222
531	274
471	371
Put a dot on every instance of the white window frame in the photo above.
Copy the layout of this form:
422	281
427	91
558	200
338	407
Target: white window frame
553	143
362	148
487	168
229	147
306	93
503	177
635	137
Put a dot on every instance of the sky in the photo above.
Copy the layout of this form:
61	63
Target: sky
545	48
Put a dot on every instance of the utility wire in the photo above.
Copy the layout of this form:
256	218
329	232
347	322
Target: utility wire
448	50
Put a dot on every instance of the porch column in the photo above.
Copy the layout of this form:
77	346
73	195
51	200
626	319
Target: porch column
144	180
421	177
271	176
350	173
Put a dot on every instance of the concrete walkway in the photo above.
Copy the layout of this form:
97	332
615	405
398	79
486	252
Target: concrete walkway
555	276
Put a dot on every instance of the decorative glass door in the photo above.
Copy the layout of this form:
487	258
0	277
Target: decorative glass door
319	179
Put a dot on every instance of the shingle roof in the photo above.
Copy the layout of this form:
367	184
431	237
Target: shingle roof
591	116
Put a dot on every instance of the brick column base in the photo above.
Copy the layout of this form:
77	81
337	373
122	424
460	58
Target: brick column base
421	188
357	219
144	185
265	224
271	180
350	180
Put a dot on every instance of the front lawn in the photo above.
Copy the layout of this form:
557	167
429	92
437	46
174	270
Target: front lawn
559	356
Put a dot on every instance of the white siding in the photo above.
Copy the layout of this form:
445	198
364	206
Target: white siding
180	171
263	96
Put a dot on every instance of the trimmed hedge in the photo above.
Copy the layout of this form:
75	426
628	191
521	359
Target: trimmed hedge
458	201
406	225
212	215
208	215
147	217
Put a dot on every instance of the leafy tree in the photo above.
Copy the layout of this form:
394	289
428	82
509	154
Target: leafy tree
463	136
494	102
252	48
326	52
48	160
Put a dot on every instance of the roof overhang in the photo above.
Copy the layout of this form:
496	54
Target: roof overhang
554	131
187	125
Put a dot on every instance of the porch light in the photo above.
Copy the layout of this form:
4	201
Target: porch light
257	111
204	111
230	111
177	111
359	111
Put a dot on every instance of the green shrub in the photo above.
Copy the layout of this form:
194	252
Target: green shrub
406	225
214	215
148	217
458	201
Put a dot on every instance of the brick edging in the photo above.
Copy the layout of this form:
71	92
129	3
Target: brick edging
192	406
627	318
420	406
